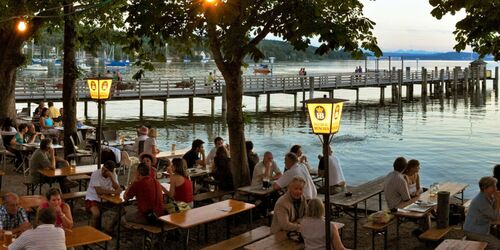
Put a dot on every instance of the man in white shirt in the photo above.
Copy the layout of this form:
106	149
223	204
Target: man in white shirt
102	181
395	186
294	169
266	168
44	237
336	175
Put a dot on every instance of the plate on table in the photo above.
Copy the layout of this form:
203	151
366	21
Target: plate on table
425	203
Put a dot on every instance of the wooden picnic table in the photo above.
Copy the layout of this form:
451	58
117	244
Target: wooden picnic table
68	171
461	245
172	154
34	146
256	190
359	194
80	236
275	241
205	214
84	236
118	201
452	187
29	202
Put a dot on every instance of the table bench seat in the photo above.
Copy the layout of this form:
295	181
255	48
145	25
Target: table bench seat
210	195
242	239
434	234
378	228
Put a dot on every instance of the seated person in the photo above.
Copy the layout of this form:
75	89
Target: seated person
32	133
336	175
148	193
45	158
12	216
44	237
64	218
221	170
412	177
290	207
297	149
218	142
45	121
150	144
395	187
181	187
496	174
252	157
266	168
22	135
192	156
312	227
148	160
294	169
102	181
142	135
482	211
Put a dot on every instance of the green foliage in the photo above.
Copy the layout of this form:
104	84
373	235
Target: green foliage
479	29
283	51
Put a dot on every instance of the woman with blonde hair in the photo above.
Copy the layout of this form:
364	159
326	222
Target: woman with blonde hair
412	177
150	145
312	228
181	187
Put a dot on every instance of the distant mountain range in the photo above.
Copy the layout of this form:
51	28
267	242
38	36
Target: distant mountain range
431	55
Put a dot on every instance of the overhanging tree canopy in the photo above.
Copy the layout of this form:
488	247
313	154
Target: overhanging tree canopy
233	28
480	28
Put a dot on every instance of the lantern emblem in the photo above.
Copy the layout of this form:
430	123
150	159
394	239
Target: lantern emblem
319	113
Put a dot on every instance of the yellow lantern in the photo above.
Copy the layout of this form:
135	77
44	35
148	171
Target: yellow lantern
99	88
325	114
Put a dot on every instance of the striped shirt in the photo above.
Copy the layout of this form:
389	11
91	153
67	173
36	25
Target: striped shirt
43	237
395	189
9	222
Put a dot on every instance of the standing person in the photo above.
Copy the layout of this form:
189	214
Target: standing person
45	158
395	187
221	170
64	218
45	236
297	149
192	156
150	144
53	111
252	157
12	216
102	181
290	207
210	79
267	168
142	135
38	110
291	163
304	72
312	228
218	142
412	177
482	211
148	193
336	175
181	187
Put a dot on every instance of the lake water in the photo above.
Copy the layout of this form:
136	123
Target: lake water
453	143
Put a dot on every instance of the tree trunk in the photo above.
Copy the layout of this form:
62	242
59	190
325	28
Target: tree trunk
235	122
10	59
69	77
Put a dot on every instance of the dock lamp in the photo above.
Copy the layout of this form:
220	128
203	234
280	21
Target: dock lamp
99	89
324	114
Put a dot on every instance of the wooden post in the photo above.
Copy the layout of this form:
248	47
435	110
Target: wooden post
382	95
495	81
466	83
29	108
455	85
212	106
165	109
400	91
303	93
86	109
441	86
331	93
357	96
295	101
141	108
423	95
436	72
484	79
190	108
311	87
268	102
257	104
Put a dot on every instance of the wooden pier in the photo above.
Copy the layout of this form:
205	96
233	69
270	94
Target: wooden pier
437	83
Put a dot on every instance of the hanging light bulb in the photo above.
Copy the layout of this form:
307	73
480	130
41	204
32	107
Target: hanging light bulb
21	26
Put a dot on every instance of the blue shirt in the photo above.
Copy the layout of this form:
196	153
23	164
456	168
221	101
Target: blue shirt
9	222
481	212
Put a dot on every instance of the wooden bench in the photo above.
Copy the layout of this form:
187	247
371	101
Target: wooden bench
199	198
81	178
242	239
433	235
149	230
71	197
378	228
31	187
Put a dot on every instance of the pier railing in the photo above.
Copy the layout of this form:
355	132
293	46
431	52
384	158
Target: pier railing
28	89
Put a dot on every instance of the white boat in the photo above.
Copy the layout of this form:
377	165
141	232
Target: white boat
84	67
36	67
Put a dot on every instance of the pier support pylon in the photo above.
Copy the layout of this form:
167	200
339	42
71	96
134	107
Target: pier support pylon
86	109
382	95
165	102
257	104
190	108
268	102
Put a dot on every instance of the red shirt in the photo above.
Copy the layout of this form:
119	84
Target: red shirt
184	192
148	194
